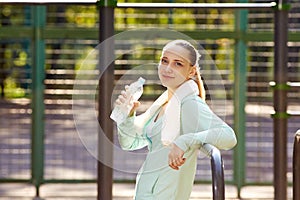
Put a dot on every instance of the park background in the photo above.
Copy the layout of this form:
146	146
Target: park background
70	32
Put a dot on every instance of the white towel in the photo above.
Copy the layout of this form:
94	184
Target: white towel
171	122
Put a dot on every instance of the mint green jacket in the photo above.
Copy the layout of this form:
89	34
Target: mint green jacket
199	125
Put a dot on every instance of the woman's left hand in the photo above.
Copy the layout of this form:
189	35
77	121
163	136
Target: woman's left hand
176	158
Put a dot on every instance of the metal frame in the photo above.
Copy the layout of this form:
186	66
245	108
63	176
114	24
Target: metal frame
38	107
240	75
217	171
106	30
280	100
199	5
280	117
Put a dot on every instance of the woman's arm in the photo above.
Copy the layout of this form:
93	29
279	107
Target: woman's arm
131	136
200	125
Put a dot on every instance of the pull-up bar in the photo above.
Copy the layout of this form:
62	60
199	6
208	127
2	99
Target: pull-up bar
199	5
155	5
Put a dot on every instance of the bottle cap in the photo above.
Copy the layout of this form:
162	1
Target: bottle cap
141	80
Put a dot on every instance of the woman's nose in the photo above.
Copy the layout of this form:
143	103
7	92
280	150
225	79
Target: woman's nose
169	68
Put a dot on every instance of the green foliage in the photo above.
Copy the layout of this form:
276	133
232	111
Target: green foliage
82	16
87	16
10	15
12	90
87	60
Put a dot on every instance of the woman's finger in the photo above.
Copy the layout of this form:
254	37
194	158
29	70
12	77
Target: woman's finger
121	99
173	166
176	163
118	102
126	87
123	93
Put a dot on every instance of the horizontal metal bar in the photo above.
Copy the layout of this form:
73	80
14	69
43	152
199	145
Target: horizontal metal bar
294	84
69	181
199	5
155	5
8	180
48	2
294	113
20	32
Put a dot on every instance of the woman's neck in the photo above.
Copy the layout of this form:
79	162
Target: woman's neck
170	94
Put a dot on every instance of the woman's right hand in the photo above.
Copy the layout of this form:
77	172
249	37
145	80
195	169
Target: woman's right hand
123	98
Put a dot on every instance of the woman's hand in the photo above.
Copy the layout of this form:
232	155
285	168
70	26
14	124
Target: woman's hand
176	158
122	98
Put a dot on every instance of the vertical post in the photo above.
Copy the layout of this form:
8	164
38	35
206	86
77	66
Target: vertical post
280	100
296	167
106	51
37	103
240	91
170	15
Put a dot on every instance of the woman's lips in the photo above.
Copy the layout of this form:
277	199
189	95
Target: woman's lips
167	76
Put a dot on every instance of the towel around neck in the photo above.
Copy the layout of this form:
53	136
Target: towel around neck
171	122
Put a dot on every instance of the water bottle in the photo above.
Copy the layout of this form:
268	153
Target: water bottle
133	93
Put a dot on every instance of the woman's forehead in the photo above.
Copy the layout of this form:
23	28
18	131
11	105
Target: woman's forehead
177	52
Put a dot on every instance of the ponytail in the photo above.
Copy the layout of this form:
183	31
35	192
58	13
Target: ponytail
200	84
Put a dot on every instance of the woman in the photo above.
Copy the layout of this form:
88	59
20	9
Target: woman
177	124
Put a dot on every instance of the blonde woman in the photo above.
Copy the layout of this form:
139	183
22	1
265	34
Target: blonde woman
174	128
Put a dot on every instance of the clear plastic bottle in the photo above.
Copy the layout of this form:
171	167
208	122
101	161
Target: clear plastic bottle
133	93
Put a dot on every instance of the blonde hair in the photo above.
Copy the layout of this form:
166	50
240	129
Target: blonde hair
194	61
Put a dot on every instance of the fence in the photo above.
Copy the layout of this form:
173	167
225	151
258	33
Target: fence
70	32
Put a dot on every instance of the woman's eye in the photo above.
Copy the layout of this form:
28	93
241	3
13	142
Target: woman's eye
164	61
178	64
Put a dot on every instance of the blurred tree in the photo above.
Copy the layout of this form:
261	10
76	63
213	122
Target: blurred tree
4	67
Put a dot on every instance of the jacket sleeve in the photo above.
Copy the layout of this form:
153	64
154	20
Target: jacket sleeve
200	125
130	136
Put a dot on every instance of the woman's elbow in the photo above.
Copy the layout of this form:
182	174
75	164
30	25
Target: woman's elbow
229	141
232	142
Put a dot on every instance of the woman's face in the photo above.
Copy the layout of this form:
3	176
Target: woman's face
174	67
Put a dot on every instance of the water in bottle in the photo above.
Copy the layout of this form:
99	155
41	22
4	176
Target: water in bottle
133	93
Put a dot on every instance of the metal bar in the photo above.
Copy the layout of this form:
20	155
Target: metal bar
16	180
293	84
280	101
240	89
218	175
199	5
296	167
217	171
38	107
155	5
92	33
294	113
106	67
39	2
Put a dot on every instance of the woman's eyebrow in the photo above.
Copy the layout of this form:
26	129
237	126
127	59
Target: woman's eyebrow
179	60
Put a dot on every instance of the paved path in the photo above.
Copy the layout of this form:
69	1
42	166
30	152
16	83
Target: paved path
121	192
66	157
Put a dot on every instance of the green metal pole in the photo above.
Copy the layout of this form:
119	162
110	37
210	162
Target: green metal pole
240	93
37	103
170	15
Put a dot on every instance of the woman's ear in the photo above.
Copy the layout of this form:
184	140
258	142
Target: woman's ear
193	72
